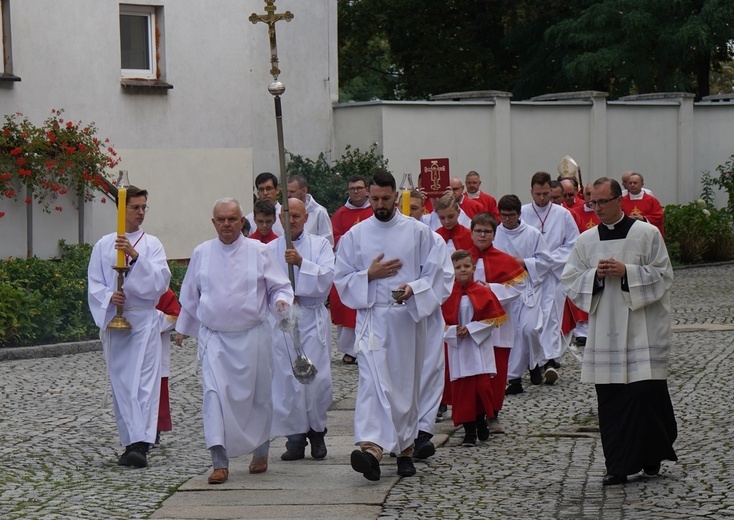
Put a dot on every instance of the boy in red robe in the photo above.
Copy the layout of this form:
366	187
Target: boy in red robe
454	234
471	312
264	217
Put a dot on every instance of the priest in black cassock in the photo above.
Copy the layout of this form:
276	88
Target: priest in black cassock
620	273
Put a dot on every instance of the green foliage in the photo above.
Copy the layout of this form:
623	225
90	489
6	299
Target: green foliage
698	232
725	181
628	47
413	48
18	317
45	301
327	183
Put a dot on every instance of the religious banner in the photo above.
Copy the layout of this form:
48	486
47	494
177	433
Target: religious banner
434	176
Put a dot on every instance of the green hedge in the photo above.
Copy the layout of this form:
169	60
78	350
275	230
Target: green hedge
45	301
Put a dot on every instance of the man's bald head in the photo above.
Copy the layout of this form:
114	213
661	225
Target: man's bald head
296	215
457	187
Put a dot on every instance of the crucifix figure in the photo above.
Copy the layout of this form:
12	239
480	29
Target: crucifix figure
270	17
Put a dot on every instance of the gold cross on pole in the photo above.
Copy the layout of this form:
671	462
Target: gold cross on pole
270	17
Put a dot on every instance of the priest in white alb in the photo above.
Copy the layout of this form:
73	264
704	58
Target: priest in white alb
231	286
620	273
299	410
381	255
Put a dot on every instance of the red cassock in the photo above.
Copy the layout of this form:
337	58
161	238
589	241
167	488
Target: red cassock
167	304
264	239
499	267
648	206
473	395
489	205
470	206
571	314
584	219
341	222
459	235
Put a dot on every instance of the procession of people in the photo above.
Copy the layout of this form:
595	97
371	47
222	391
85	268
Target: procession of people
443	312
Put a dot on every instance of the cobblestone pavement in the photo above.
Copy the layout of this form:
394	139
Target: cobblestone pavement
58	443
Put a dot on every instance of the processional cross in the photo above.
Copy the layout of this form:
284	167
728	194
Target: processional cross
277	88
270	17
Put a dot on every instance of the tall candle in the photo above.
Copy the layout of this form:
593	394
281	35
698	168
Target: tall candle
405	198
121	211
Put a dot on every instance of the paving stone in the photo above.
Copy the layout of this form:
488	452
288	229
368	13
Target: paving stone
59	446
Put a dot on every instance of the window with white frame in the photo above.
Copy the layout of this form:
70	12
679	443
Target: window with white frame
138	41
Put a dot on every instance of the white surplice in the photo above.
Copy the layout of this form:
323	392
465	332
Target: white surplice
434	364
629	330
390	339
226	297
298	407
527	312
318	222
560	232
473	354
133	356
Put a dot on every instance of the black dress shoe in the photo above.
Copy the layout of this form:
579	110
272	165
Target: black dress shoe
482	428
406	467
366	464
514	387
424	450
613	480
651	469
536	375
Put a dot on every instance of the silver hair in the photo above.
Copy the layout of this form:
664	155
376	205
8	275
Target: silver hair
228	200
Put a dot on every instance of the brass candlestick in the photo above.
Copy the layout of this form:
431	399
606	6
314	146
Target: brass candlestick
119	322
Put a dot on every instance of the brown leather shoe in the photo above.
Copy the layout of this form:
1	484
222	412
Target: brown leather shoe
219	476
259	465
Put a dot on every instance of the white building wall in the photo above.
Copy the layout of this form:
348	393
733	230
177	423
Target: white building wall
203	139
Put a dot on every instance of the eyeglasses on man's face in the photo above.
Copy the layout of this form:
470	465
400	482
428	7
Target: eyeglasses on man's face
483	232
601	203
265	189
507	216
355	189
139	207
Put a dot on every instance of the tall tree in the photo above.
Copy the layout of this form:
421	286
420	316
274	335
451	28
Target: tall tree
638	46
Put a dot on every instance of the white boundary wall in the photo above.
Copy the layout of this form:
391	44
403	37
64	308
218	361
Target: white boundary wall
669	140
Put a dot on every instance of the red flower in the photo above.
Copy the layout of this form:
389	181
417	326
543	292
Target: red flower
24	173
103	200
28	200
69	124
21	161
6	132
63	191
58	208
70	149
23	135
55	187
9	193
2	214
50	164
82	148
16	151
4	176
